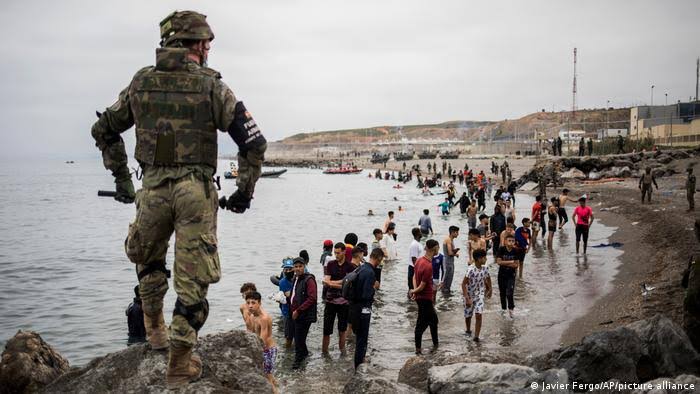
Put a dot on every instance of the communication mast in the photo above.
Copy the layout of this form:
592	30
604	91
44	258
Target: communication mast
573	101
697	77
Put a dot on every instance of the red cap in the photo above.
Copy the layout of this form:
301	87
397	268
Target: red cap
328	242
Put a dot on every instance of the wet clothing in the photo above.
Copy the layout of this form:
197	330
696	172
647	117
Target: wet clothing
583	215
438	268
449	268
522	240
361	310
336	271
269	357
285	285
425	224
424	273
330	311
645	182
444	207
476	288
552	223
134	319
427	317
415	251
506	277
581	231
497	224
304	298
563	216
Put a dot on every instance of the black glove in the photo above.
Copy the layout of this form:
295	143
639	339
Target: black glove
124	186
237	203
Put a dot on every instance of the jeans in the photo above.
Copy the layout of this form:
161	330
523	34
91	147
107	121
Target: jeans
506	286
410	277
427	317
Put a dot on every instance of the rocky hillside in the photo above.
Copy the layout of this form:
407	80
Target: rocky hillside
547	123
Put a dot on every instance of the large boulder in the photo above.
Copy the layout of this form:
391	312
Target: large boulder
367	381
415	370
668	346
664	158
28	364
232	362
623	163
573	173
638	352
487	377
599	357
679	154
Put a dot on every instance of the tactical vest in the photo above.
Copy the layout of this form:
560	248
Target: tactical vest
172	109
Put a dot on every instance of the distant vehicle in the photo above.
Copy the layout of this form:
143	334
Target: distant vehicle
449	155
379	157
403	156
427	155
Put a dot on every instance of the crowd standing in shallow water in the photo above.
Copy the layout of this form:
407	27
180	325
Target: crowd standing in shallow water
352	271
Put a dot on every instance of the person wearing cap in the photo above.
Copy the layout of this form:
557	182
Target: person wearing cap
177	106
690	189
583	217
285	287
327	254
303	307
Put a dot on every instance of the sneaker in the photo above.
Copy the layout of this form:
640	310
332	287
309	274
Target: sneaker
510	313
503	312
468	333
477	340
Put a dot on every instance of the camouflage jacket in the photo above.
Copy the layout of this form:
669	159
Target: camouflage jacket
220	112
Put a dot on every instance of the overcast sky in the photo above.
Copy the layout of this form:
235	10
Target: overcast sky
305	65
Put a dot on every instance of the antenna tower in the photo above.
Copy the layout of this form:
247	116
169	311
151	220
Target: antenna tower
573	101
697	77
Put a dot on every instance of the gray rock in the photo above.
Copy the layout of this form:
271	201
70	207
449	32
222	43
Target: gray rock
658	172
599	357
668	346
367	381
232	361
487	377
623	163
664	158
594	176
28	364
415	370
573	173
624	172
680	154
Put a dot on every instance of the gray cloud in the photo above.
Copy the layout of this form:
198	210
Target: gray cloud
304	65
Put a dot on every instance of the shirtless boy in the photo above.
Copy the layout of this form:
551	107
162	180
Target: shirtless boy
475	242
245	289
471	215
261	325
563	198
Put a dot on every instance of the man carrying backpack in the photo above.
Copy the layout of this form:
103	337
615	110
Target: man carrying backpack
361	296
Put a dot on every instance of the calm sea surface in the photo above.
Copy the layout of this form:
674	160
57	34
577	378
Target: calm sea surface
63	272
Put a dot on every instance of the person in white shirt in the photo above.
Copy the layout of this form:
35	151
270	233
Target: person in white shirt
414	252
388	244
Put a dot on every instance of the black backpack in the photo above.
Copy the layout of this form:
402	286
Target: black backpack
350	284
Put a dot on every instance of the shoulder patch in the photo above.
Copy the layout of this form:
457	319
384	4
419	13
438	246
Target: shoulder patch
210	72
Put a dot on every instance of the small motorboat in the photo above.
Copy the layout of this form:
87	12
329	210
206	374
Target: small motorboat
233	173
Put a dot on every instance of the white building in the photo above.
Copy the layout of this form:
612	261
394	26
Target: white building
607	133
571	135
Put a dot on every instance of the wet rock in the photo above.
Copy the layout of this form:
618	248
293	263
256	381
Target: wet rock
664	158
487	377
415	370
668	347
573	173
680	154
623	163
28	364
598	357
232	362
366	380
671	385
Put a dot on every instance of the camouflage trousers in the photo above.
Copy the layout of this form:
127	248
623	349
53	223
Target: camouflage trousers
181	206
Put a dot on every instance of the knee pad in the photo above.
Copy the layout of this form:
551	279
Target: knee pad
195	314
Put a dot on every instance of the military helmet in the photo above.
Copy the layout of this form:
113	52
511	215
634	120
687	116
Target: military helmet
184	25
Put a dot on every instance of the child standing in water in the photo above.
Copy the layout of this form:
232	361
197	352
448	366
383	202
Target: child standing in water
475	286
261	325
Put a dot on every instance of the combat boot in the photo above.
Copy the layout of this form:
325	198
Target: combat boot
183	367
156	332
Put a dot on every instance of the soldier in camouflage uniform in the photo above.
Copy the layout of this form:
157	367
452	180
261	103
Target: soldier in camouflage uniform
177	107
690	189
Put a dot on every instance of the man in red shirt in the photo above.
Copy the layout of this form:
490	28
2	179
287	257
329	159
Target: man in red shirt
422	292
583	217
536	217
